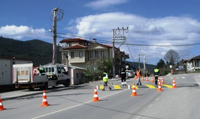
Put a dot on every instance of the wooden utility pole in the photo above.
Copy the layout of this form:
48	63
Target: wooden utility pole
56	18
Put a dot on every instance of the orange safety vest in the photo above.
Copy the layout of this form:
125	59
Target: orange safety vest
138	73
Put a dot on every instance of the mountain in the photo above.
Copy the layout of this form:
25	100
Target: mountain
38	51
150	68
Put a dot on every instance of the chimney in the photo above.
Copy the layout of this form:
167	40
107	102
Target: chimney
95	40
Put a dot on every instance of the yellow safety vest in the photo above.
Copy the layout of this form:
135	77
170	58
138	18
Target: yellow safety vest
105	78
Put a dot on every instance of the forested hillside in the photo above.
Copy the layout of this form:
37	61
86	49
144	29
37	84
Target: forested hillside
38	51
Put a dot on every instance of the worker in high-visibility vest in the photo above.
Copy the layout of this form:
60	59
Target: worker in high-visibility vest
105	80
138	74
156	74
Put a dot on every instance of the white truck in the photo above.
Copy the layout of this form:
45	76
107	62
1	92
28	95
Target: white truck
26	76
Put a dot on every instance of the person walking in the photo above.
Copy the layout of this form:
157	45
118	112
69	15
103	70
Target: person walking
156	74
123	76
138	74
105	80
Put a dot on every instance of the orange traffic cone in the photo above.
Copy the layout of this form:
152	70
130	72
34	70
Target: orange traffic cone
174	84
152	79
1	105
162	81
142	78
134	91
147	79
159	86
44	100
95	98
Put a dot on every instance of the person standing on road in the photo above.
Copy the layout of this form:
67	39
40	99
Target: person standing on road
156	74
138	74
123	76
105	80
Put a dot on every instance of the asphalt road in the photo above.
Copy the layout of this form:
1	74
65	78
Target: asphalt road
76	102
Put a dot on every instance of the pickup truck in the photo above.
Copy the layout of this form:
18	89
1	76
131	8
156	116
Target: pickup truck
27	76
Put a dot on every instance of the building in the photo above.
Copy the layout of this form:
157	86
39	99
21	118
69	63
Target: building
76	52
193	64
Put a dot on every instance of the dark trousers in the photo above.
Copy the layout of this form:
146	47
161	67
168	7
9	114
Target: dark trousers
123	79
156	80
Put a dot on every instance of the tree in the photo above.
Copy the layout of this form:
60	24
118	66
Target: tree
172	56
161	64
95	68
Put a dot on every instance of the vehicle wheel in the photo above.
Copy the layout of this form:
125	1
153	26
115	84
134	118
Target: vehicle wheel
66	84
46	86
31	89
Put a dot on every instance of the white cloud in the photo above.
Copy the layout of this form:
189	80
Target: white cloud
19	32
153	31
104	3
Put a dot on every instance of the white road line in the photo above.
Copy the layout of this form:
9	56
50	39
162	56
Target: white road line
151	105
157	99
73	106
138	117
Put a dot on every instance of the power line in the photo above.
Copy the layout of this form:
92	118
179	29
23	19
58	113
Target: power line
163	45
130	52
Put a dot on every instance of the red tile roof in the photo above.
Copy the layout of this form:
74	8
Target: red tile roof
73	40
75	47
196	58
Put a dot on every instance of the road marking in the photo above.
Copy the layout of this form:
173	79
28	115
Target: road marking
150	86
117	87
73	106
157	99
151	105
101	87
168	86
138	117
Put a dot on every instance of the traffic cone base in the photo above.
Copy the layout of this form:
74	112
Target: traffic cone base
44	100
95	98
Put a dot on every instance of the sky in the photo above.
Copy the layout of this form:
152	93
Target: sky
154	26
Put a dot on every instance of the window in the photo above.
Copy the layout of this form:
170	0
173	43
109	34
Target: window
59	70
85	43
72	54
91	54
80	54
102	53
96	54
70	44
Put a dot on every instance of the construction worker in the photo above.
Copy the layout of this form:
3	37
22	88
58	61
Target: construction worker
123	76
105	80
138	74
156	74
41	70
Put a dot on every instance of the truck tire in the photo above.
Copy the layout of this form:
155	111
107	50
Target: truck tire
67	82
31	88
46	86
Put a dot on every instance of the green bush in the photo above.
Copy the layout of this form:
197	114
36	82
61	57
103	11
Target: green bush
166	72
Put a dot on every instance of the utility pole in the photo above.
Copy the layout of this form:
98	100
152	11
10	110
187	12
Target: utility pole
117	36
57	16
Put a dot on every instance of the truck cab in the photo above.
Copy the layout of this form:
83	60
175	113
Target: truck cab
56	74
